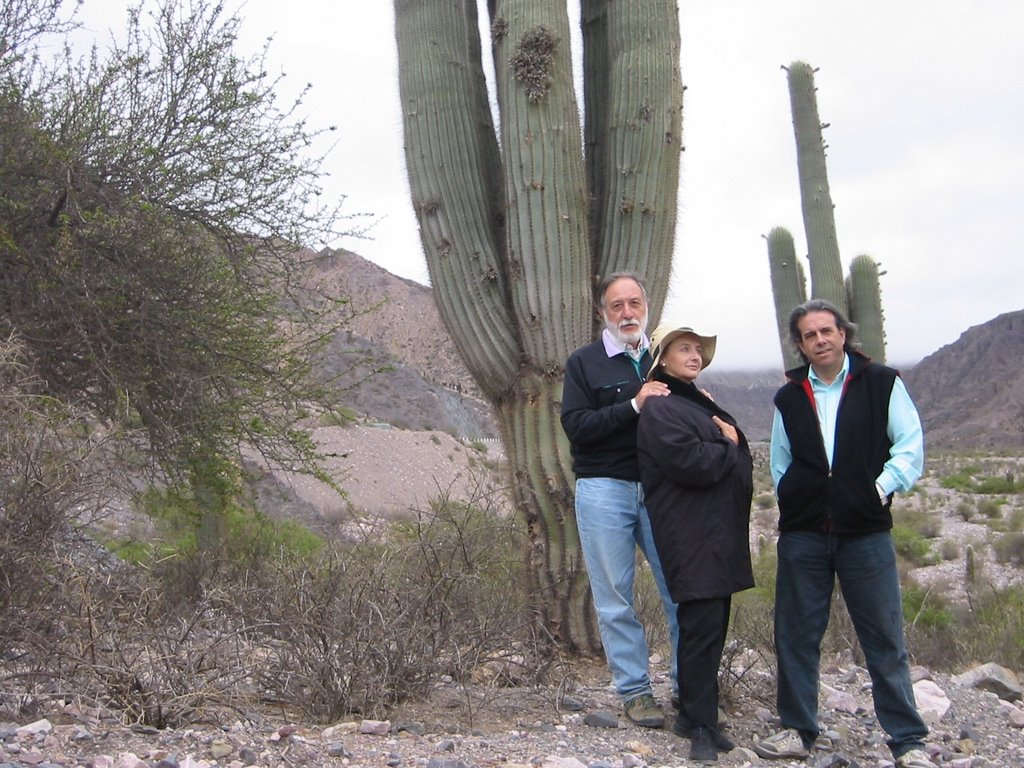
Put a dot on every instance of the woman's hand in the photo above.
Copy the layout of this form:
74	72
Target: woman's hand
728	430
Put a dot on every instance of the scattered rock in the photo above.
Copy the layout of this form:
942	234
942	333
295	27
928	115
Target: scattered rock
971	727
601	719
932	701
375	727
992	677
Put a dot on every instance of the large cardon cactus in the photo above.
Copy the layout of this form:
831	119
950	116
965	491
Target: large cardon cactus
518	223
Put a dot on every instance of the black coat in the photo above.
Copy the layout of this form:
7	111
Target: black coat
697	488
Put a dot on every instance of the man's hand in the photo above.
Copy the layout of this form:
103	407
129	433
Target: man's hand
728	430
650	389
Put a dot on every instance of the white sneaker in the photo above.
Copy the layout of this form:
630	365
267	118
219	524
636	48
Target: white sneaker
915	758
787	743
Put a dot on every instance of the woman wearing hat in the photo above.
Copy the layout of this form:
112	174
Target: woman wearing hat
696	470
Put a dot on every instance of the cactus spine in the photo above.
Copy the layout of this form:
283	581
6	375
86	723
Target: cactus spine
516	226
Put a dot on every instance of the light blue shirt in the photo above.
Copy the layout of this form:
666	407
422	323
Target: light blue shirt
906	457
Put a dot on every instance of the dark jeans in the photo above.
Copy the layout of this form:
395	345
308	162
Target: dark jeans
702	628
866	567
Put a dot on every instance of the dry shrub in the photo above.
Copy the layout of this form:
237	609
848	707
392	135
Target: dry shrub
354	628
52	478
990	627
376	622
748	668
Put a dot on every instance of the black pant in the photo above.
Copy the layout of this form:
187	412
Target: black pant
702	628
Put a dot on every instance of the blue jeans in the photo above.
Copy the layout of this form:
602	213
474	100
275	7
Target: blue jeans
809	564
612	522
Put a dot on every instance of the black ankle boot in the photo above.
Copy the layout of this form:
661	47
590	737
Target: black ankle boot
702	745
722	742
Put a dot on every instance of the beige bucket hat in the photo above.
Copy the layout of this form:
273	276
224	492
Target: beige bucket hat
665	334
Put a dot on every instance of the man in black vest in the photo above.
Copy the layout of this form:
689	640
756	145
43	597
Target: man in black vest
845	437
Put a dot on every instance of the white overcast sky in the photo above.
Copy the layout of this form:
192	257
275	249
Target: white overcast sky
925	101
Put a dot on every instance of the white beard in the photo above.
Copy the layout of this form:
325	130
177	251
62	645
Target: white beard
628	338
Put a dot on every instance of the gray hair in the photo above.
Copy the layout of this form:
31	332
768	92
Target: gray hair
603	286
820	305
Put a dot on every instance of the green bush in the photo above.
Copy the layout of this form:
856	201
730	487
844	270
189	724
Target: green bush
925	608
1015	522
1009	548
989	508
996	485
949	549
993	628
962	480
912	546
919	520
246	532
339	416
972	479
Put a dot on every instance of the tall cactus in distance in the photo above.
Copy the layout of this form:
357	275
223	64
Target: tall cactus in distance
787	288
859	296
518	226
815	196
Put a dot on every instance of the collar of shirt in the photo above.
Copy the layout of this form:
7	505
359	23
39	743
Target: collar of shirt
826	403
819	384
613	347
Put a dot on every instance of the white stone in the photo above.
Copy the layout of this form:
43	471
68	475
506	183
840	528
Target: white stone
34	729
375	727
841	700
554	761
932	701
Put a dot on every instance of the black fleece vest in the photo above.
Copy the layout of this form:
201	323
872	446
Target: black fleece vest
841	499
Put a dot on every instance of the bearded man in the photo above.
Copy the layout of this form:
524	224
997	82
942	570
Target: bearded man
605	389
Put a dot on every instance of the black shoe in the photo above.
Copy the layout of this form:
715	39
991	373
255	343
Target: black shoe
702	745
681	726
722	742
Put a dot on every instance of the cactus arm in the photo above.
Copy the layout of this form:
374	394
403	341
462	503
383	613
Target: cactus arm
545	180
454	170
787	288
634	137
815	197
866	306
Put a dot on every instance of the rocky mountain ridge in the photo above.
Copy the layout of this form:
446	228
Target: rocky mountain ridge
971	393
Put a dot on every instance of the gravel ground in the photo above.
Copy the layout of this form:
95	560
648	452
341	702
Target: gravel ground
544	727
